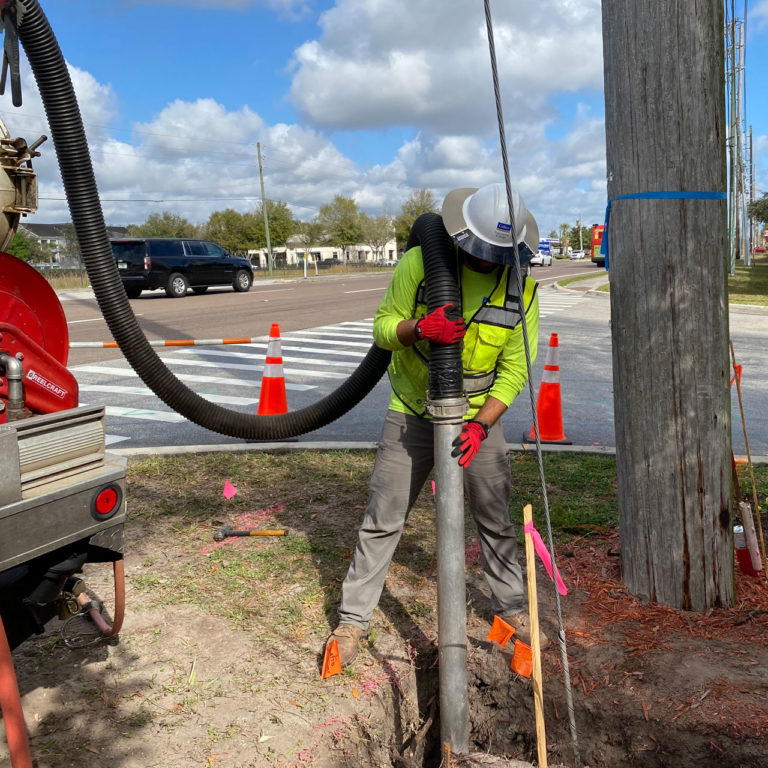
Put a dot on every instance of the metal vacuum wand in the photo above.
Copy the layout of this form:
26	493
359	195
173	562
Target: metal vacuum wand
447	418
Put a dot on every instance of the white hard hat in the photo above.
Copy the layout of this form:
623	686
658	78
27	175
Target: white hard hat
478	221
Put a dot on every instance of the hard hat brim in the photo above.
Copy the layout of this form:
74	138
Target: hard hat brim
456	226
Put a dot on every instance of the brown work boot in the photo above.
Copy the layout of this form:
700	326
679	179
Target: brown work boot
347	637
522	624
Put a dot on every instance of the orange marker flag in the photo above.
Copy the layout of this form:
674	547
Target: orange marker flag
332	660
522	659
500	632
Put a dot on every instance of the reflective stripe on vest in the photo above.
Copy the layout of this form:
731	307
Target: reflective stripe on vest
474	384
507	316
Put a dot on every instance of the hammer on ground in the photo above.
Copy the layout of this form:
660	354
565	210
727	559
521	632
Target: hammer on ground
226	531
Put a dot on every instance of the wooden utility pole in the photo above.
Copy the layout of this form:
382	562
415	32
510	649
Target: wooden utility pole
666	132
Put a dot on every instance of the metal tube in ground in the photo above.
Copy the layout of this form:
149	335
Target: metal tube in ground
451	586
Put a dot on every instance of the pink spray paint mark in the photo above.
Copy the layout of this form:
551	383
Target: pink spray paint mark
433	487
543	553
255	519
229	489
472	553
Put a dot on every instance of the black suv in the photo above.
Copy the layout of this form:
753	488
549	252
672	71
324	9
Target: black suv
177	264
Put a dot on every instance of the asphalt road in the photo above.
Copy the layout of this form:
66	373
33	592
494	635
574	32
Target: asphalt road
325	327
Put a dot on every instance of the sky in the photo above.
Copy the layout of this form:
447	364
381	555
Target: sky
369	99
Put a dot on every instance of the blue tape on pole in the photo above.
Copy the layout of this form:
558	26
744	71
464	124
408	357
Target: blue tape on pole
654	196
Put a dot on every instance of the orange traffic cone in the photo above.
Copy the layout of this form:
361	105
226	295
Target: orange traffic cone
272	400
549	409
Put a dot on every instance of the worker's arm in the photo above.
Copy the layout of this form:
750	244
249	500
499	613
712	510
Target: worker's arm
491	411
393	324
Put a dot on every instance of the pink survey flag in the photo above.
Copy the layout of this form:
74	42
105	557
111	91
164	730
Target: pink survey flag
543	553
229	489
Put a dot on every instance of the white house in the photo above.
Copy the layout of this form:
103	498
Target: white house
52	238
292	254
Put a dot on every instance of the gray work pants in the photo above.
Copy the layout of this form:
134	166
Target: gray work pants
404	460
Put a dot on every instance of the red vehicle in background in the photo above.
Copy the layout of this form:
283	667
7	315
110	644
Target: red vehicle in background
597	241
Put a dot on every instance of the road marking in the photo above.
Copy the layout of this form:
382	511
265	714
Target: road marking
308	360
368	290
141	413
92	320
112	439
116	389
146	414
188	377
308	336
254	368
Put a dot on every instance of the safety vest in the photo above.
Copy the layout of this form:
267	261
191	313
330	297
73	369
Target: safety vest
489	330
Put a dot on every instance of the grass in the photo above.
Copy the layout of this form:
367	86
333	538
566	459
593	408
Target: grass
294	581
570	280
66	279
749	285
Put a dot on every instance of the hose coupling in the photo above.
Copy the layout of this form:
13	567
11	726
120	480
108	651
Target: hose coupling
447	410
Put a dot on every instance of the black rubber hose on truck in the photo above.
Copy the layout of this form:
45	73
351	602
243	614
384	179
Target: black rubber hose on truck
58	96
71	146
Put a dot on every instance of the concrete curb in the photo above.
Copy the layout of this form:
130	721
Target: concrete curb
322	446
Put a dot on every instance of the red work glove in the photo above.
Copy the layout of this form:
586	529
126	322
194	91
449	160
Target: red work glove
443	325
468	442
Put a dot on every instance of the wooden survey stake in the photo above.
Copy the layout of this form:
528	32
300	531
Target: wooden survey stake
533	612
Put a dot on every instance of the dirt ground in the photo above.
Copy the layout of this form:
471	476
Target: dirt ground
218	663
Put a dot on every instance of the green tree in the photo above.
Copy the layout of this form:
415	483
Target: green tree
758	211
163	224
281	224
563	234
420	201
69	251
341	221
310	234
28	248
580	238
376	232
231	230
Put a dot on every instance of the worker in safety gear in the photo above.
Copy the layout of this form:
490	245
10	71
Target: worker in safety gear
493	358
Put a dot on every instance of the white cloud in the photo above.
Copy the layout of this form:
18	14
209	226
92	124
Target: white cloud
759	14
377	64
390	62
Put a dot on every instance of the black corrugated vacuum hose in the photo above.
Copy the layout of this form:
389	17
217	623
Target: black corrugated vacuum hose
441	275
63	112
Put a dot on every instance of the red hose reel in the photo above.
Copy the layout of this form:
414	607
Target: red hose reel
33	329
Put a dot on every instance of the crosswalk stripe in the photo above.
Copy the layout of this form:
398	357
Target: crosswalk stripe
286	359
142	413
308	336
186	377
358	355
116	389
255	368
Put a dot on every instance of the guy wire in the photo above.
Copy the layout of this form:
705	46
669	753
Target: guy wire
505	161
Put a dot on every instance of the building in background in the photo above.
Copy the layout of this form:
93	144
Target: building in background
57	241
292	254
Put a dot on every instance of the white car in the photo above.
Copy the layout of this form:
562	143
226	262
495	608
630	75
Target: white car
576	255
541	260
